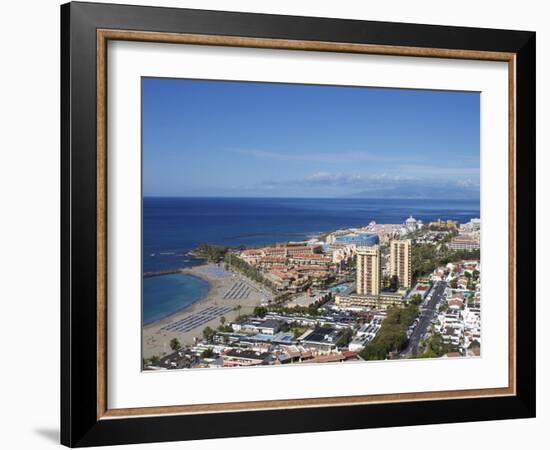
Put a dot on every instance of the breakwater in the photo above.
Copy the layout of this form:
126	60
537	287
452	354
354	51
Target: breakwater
160	273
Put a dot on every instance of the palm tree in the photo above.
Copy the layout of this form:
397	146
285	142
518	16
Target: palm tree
175	344
207	332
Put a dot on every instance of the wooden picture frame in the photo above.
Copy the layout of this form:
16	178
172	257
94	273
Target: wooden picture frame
86	418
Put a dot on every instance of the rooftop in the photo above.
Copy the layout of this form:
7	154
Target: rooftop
321	335
246	354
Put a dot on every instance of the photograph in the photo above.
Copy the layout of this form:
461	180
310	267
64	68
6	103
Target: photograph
288	224
275	222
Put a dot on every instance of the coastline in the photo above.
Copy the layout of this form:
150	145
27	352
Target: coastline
156	340
181	271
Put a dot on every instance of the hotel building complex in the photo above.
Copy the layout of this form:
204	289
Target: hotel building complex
368	292
369	270
400	262
465	241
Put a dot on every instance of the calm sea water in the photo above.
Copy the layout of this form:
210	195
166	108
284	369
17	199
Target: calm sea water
169	293
173	226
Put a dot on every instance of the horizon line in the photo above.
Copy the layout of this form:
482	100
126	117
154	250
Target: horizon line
310	198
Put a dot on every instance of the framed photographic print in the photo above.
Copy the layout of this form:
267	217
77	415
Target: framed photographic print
277	224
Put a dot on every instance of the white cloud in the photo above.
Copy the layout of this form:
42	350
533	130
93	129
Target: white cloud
343	179
468	183
336	157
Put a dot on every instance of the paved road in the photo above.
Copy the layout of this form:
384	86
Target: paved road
429	311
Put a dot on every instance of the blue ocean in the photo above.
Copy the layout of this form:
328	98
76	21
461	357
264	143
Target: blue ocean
173	226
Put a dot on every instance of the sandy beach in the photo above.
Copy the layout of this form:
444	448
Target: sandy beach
156	341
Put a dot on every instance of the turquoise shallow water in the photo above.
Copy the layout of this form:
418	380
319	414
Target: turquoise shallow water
169	293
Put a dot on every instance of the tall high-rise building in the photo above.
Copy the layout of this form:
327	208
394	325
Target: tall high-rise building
369	270
401	262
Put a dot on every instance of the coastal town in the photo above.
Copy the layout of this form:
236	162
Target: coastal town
376	292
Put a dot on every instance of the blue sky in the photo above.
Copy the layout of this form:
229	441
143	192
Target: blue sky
241	139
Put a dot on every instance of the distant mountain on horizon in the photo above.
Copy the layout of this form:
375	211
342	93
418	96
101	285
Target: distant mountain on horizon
439	193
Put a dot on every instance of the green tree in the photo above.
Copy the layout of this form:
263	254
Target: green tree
208	333
284	327
310	310
281	298
260	311
297	330
392	335
345	338
208	353
427	257
175	344
435	347
428	354
212	253
240	265
222	320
